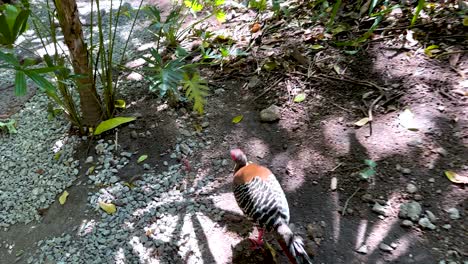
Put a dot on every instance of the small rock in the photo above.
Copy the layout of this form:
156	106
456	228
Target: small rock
431	180
333	183
454	214
411	210
418	197
205	124
411	188
384	247
185	149
146	166
441	151
367	198
406	171
426	223
362	249
394	245
446	226
253	82
133	134
219	91
406	223
126	154
89	159
414	143
431	216
114	179
270	114
379	209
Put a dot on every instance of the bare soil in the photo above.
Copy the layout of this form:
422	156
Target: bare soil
313	142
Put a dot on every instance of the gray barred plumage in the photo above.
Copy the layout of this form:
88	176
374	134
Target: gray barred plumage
263	201
261	198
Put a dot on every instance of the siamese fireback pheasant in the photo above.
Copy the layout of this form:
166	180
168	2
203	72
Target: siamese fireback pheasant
261	198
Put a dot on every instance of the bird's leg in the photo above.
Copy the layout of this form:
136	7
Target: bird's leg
257	243
286	251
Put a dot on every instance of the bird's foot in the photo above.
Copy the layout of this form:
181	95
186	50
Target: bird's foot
256	243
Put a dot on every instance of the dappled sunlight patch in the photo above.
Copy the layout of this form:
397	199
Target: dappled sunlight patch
361	233
403	246
333	133
257	148
336	216
379	230
120	256
86	227
139	249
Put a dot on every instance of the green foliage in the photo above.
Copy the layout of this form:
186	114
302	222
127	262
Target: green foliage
196	91
167	77
260	5
164	76
419	7
335	9
13	22
9	126
112	123
168	28
367	173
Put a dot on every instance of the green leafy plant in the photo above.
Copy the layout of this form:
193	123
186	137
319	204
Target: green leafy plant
196	91
367	173
168	76
112	123
9	126
13	22
56	79
419	7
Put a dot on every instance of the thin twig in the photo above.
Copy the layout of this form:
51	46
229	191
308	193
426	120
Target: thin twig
116	139
371	107
347	201
337	166
269	88
342	108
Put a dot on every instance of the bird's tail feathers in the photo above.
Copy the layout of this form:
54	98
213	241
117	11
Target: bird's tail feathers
294	246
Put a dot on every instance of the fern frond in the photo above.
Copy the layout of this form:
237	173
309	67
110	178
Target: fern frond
196	91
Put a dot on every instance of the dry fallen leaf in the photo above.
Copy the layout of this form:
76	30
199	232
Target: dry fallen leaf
362	122
237	119
456	178
108	207
63	197
407	120
255	27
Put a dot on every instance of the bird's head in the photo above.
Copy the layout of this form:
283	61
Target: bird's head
239	158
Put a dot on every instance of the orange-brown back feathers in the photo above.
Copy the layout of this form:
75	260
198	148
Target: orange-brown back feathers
250	171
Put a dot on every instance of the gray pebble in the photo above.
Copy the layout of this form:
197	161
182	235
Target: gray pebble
384	247
379	209
454	214
426	223
411	210
89	159
406	223
411	188
362	249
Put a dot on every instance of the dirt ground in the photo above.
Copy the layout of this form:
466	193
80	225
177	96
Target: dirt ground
314	141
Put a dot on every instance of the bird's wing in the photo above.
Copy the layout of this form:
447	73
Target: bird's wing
263	200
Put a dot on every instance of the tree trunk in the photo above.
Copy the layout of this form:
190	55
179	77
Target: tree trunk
70	23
